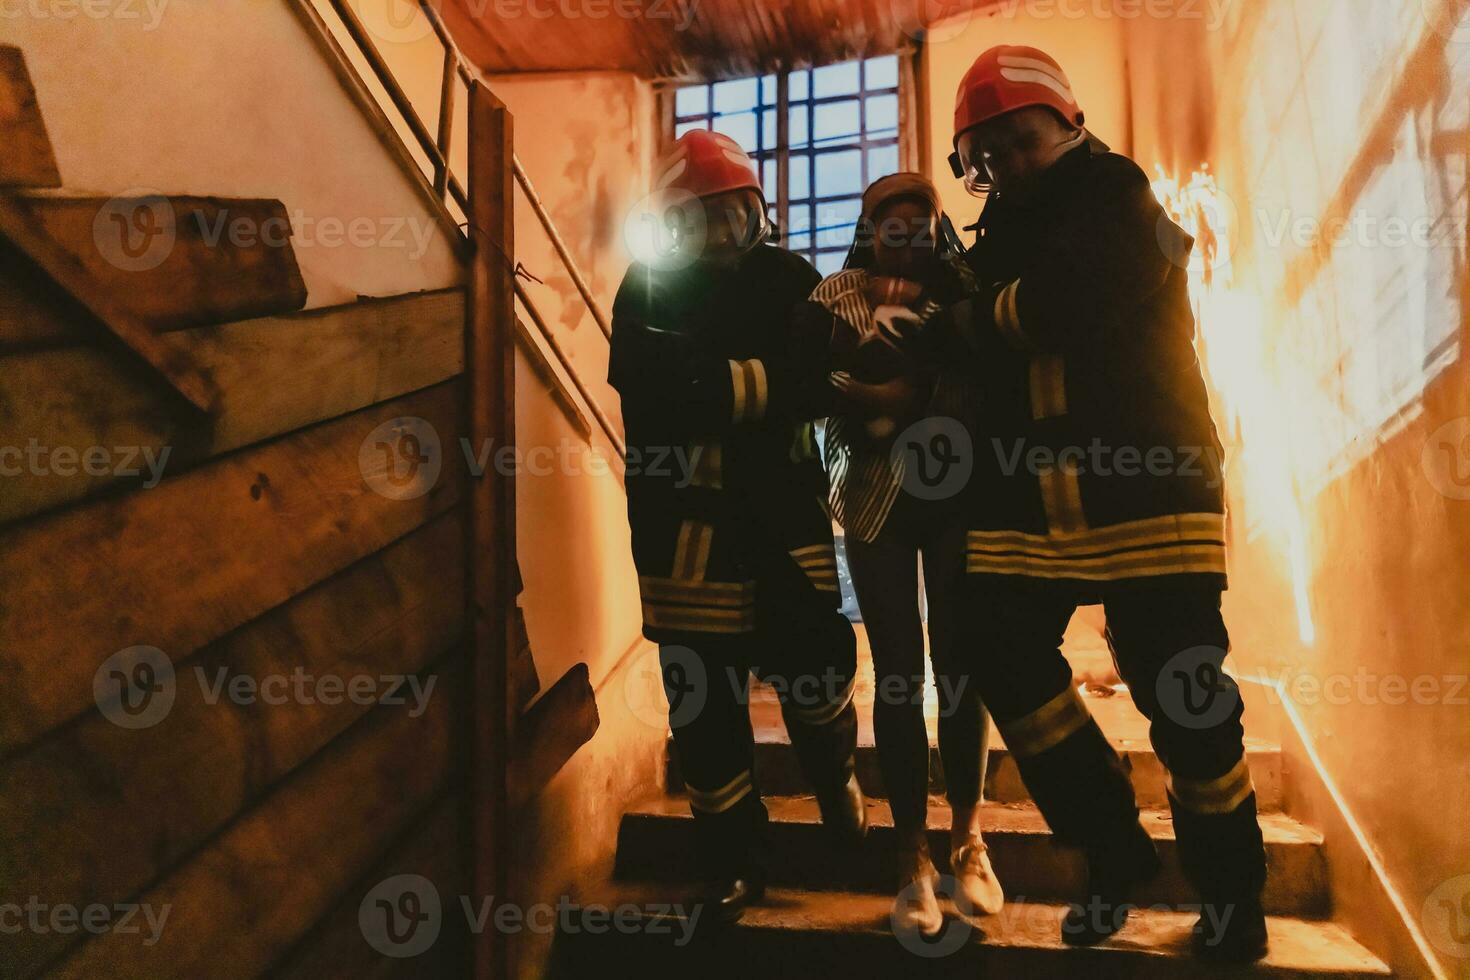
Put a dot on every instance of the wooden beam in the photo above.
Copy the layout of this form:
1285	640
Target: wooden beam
28	160
63	800
175	261
105	310
490	381
250	894
177	566
550	733
275	375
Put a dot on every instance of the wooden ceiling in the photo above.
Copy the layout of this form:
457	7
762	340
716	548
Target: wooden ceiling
687	39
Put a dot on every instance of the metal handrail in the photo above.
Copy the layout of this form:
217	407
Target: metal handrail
437	147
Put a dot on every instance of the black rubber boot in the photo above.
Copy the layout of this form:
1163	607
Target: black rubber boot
1112	875
1231	932
725	900
845	813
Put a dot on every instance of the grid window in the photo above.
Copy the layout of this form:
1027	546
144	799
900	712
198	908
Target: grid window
842	135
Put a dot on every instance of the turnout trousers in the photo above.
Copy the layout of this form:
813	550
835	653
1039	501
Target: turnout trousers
1168	641
807	651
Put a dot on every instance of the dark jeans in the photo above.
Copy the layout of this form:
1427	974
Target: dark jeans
885	577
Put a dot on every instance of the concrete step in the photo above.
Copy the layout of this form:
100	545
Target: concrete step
777	772
800	934
656	842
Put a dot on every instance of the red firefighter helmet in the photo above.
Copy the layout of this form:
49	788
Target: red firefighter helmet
703	163
1009	77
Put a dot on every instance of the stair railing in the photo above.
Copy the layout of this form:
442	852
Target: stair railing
437	148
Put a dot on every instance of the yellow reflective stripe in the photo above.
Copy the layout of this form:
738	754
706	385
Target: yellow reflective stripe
737	390
1167	528
756	370
722	799
1062	497
819	562
825	714
1048	387
698	620
1007	315
1047	726
708	464
1220	795
721	594
749	391
1172	560
691	551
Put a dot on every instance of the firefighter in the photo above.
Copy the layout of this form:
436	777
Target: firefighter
734	550
1098	479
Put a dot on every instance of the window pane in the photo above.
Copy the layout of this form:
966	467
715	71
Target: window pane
882	161
739	128
768	181
835	79
882	117
800	184
830	262
768	129
692	101
735	96
840	173
799	82
836	122
799	242
801	218
881	72
685	127
768	90
836	221
800	115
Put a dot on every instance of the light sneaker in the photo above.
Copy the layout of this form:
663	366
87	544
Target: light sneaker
976	878
916	908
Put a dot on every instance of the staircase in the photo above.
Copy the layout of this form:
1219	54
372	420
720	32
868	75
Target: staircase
827	912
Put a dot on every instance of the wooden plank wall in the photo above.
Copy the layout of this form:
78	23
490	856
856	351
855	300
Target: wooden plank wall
262	551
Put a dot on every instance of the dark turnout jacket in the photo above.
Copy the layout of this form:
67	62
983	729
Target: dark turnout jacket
723	477
1097	458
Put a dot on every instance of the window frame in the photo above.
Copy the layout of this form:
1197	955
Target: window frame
784	155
